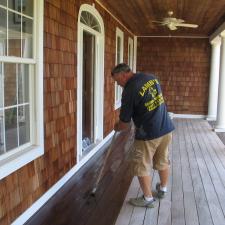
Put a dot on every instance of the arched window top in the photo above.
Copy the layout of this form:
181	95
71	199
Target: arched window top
89	20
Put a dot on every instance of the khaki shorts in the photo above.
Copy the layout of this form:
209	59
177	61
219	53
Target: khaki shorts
147	154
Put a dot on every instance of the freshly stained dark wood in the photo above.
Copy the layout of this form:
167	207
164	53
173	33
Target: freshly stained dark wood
196	188
138	14
72	204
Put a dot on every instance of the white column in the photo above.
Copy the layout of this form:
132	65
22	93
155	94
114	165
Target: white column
214	79
220	122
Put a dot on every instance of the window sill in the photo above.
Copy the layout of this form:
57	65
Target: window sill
14	162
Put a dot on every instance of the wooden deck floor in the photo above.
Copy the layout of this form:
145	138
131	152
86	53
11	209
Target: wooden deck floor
196	194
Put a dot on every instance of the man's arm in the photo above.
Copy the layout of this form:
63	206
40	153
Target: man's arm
121	126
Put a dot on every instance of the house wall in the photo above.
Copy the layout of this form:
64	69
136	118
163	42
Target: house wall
21	189
182	66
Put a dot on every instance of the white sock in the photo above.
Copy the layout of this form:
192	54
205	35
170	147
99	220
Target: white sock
163	188
148	198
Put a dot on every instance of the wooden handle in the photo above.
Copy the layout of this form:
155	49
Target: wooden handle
105	160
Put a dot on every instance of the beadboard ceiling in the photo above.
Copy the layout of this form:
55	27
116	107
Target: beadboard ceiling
137	15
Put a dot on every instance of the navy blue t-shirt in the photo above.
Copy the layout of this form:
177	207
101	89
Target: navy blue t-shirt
143	102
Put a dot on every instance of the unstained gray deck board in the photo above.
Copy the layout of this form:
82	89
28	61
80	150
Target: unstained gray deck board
216	170
177	192
137	217
191	215
127	210
165	203
204	215
151	215
206	175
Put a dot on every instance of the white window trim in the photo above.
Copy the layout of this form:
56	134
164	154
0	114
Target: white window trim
135	55
15	159
99	80
119	33
131	53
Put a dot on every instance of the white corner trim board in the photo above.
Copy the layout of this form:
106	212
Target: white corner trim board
189	116
219	130
45	197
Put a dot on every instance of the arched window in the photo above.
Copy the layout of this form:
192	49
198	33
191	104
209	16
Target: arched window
88	19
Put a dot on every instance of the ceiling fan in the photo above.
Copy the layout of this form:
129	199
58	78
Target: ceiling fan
172	23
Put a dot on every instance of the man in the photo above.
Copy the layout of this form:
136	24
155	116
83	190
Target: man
142	101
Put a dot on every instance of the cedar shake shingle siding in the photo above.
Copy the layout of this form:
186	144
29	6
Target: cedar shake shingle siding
22	188
182	66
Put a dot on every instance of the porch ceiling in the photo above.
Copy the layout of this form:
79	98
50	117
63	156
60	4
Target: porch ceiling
138	14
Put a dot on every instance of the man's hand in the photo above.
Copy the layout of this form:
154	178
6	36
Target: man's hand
121	126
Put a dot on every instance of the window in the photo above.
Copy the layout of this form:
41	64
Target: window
88	19
21	77
119	59
130	52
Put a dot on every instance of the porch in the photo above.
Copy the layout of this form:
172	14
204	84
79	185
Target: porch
196	192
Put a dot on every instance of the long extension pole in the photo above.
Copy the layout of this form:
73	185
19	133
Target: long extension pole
103	166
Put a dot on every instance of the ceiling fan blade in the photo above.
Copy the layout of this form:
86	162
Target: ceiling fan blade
155	21
172	20
186	25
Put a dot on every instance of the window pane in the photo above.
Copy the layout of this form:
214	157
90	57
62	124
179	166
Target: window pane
117	97
23	83
14	34
10	84
15	5
118	50
3	32
27	37
11	137
89	20
3	2
129	54
1	85
24	124
27	7
1	132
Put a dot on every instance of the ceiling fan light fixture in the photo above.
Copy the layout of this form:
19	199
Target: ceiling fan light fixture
171	26
170	13
173	23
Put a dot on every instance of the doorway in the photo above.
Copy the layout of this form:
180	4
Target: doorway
88	100
90	82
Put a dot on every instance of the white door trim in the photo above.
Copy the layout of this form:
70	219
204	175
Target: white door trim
99	77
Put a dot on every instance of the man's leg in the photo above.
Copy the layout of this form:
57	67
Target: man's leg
162	186
163	175
145	183
161	163
142	160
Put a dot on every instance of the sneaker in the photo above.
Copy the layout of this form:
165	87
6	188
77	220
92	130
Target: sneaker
160	193
141	202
